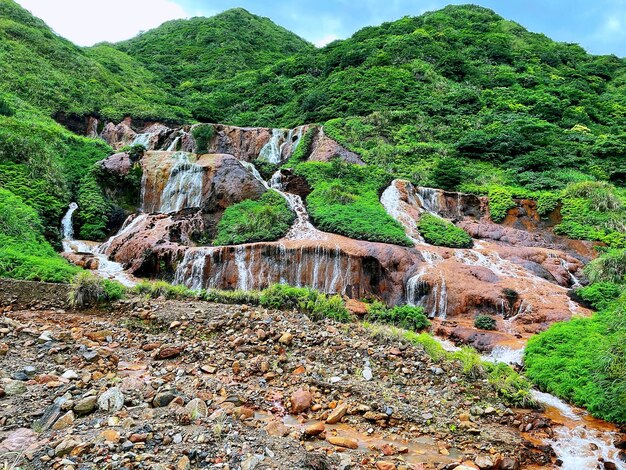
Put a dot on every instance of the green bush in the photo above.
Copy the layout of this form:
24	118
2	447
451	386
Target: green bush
266	219
485	322
440	232
92	215
500	201
5	108
514	388
89	290
164	289
202	134
610	267
303	149
599	294
447	174
247	297
307	300
405	316
24	253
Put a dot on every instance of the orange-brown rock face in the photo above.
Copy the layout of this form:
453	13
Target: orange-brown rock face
178	180
324	149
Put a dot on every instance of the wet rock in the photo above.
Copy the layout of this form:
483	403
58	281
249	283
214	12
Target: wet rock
163	399
286	338
340	441
66	446
277	429
301	400
13	387
196	409
339	412
314	429
169	352
484	462
112	400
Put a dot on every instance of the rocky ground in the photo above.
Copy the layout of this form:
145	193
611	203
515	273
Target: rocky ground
169	384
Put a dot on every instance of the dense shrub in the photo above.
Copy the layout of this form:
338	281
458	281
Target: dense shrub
266	219
307	300
405	316
500	201
89	290
485	322
599	294
438	231
447	174
24	253
202	134
610	267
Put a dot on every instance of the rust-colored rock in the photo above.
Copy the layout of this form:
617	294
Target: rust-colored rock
301	401
169	352
339	412
340	441
356	307
315	429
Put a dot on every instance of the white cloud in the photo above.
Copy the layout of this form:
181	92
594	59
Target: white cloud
86	22
326	40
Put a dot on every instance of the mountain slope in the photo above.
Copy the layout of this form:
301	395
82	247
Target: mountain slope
56	76
183	52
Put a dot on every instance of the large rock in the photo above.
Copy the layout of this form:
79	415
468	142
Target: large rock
324	149
224	181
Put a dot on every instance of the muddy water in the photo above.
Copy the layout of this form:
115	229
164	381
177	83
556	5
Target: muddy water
422	449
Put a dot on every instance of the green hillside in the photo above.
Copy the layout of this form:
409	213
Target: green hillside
56	76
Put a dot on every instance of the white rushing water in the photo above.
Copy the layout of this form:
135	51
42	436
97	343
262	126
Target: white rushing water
271	152
184	185
143	139
67	225
576	443
106	268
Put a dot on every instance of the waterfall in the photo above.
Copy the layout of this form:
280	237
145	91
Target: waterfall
290	141
173	146
271	152
255	266
430	200
302	228
391	199
67	226
143	139
420	293
575	282
184	186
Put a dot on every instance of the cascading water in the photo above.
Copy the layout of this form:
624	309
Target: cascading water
290	140
271	152
326	269
143	139
430	200
106	268
67	226
184	186
391	199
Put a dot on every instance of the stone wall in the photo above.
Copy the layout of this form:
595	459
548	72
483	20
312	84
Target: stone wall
16	294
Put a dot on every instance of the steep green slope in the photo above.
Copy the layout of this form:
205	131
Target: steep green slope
185	53
56	76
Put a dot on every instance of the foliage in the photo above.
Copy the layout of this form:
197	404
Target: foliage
500	201
345	200
89	290
266	219
599	295
485	322
610	267
163	289
438	231
202	134
405	316
303	149
447	174
309	301
93	210
24	253
511	386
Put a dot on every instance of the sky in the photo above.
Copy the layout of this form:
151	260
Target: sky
597	25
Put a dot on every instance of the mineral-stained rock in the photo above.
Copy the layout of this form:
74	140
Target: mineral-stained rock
301	400
341	441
